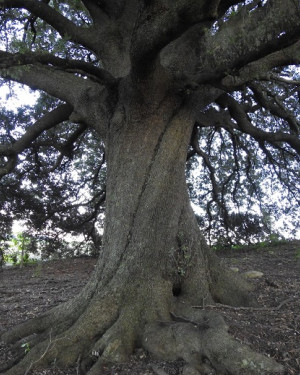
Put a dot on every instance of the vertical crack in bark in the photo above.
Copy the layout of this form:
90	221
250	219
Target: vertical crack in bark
143	188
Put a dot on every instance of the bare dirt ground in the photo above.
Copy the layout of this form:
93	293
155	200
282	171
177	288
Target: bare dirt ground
273	328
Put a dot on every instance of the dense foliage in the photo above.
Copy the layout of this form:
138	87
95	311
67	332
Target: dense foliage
243	184
243	162
53	181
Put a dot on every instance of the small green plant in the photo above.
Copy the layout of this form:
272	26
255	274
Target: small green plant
262	244
26	347
14	259
275	238
237	247
19	247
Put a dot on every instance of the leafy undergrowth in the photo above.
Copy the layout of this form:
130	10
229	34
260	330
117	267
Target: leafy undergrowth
273	328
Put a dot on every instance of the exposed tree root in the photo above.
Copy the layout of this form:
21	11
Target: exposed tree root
104	325
64	315
198	337
206	347
139	304
64	348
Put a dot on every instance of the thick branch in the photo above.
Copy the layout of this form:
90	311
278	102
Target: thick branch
67	148
158	25
51	119
277	78
259	69
83	94
54	82
48	121
276	110
244	124
272	27
68	87
8	60
9	166
63	25
244	38
209	118
113	9
95	11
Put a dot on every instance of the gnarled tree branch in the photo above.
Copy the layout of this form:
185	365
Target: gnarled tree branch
67	148
244	124
260	68
63	25
159	24
48	121
273	27
8	60
275	107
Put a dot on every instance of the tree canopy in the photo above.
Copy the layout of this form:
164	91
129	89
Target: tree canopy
245	144
136	97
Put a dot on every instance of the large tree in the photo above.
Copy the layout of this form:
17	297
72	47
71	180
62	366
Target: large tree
147	80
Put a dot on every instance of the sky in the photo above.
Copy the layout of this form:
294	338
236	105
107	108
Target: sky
15	96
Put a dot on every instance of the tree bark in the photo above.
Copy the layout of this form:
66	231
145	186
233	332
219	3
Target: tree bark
154	264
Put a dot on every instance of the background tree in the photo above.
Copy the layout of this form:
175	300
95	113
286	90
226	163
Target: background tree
155	83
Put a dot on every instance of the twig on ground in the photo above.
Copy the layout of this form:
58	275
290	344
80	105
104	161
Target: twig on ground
51	342
220	305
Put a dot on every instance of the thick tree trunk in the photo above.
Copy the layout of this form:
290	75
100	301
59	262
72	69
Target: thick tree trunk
153	267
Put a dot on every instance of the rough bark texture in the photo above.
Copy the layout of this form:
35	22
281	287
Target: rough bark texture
163	64
154	264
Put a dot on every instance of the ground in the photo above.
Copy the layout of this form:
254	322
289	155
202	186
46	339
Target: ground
273	328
